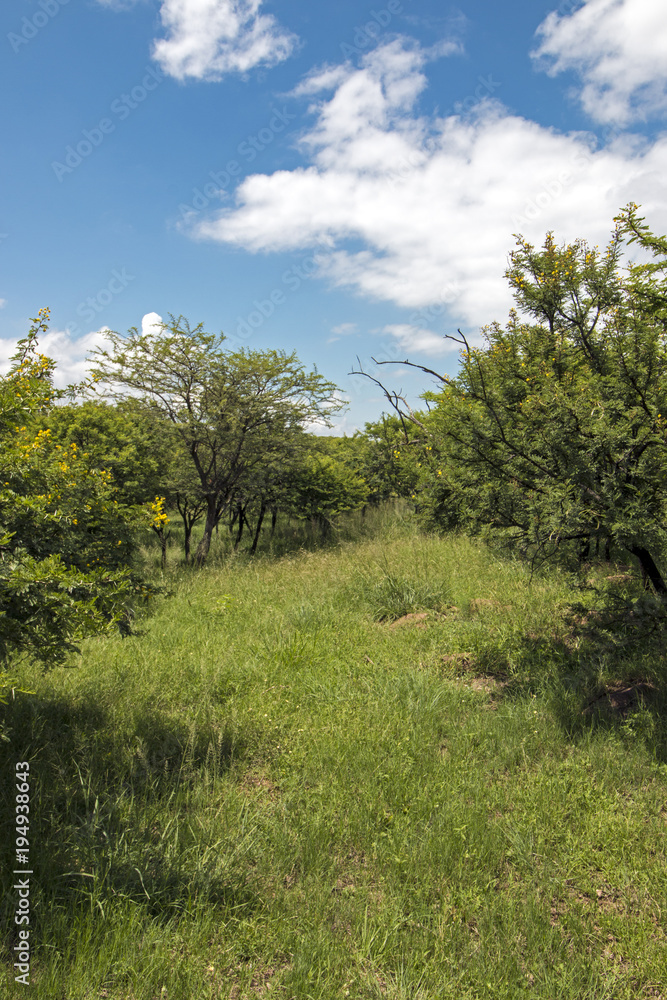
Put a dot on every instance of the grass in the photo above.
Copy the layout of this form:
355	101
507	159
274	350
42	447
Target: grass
282	787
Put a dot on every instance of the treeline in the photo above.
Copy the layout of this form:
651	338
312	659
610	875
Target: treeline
553	434
169	426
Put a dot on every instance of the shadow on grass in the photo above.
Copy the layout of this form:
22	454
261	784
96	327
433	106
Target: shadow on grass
109	815
594	679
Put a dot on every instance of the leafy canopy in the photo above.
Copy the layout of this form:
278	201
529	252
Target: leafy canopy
234	411
65	538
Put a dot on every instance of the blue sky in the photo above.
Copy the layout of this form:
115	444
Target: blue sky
339	179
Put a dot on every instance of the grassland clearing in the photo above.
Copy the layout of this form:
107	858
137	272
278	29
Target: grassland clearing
274	791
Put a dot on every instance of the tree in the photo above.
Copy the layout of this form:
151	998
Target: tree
554	431
124	440
397	450
228	408
323	488
267	486
65	539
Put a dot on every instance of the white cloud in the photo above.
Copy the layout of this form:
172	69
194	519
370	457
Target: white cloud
619	48
342	330
71	356
433	202
3	303
414	338
151	323
325	78
207	39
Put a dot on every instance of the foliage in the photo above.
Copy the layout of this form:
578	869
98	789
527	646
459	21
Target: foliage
386	455
124	440
230	409
66	539
158	520
322	488
554	432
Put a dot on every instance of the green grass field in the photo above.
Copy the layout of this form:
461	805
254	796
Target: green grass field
278	789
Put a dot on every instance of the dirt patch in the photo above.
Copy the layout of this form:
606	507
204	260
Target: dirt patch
358	858
620	698
345	885
621	578
489	685
467	672
417	618
259	784
420	619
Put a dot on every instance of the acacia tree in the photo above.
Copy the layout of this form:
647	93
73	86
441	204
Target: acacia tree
228	408
267	487
555	429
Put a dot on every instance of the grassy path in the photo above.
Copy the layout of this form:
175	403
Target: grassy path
277	790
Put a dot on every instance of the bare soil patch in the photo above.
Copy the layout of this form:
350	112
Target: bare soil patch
258	783
417	618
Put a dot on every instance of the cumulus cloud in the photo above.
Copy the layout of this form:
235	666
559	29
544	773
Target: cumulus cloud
151	323
207	39
619	49
71	356
419	211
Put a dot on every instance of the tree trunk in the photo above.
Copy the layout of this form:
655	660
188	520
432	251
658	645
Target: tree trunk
650	571
274	518
163	545
242	523
205	542
187	535
262	511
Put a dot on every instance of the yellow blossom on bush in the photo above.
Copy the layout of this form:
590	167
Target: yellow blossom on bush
158	514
